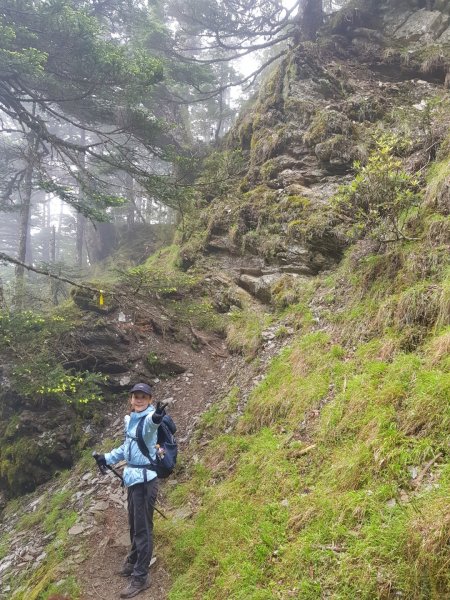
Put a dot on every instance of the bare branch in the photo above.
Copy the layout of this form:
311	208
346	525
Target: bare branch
6	258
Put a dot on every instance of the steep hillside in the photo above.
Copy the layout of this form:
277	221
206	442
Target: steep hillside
334	481
309	291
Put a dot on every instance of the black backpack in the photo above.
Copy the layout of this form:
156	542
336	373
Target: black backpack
166	454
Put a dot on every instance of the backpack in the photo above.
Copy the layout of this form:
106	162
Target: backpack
166	454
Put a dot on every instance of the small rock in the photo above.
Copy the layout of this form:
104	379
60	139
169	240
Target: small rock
413	471
79	559
76	530
122	540
99	506
421	106
268	335
28	557
182	513
5	566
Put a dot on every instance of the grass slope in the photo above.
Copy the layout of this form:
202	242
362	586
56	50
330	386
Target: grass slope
335	481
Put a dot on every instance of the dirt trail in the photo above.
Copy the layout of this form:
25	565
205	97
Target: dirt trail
107	544
210	373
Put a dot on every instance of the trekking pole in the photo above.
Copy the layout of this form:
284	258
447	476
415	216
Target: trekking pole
103	471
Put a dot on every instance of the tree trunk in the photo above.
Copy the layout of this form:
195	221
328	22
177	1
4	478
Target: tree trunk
220	117
310	20
24	253
2	295
46	231
60	222
81	219
53	282
131	206
81	229
102	241
53	245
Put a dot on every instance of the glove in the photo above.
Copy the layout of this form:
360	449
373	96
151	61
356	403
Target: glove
159	413
100	459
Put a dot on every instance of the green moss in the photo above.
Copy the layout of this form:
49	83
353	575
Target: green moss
215	419
437	194
193	248
244	330
325	124
199	312
265	143
268	170
5	543
245	131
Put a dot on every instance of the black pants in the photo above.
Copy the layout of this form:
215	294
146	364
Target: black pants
141	499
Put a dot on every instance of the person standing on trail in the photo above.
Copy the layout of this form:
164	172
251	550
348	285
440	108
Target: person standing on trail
141	483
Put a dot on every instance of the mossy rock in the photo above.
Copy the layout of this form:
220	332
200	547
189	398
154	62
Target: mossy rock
326	124
29	461
192	249
266	144
338	151
301	110
245	132
271	168
90	301
366	108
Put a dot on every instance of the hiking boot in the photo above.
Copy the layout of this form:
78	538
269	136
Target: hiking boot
135	587
126	570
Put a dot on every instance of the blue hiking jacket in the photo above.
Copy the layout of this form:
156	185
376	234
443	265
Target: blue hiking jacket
129	450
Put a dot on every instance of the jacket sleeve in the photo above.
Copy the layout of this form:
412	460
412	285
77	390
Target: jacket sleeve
149	426
115	455
118	454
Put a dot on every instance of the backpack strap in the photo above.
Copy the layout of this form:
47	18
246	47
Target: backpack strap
140	439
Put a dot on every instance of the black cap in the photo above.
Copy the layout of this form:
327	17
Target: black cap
141	387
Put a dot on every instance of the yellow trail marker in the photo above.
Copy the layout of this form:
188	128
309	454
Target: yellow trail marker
101	299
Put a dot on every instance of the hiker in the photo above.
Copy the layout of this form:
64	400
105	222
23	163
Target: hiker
141	483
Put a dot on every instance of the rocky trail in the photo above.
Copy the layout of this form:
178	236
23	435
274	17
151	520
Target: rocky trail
106	541
99	539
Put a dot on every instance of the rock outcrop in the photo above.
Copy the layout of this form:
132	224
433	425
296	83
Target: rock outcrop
317	113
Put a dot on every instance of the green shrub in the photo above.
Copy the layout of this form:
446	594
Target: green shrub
378	202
